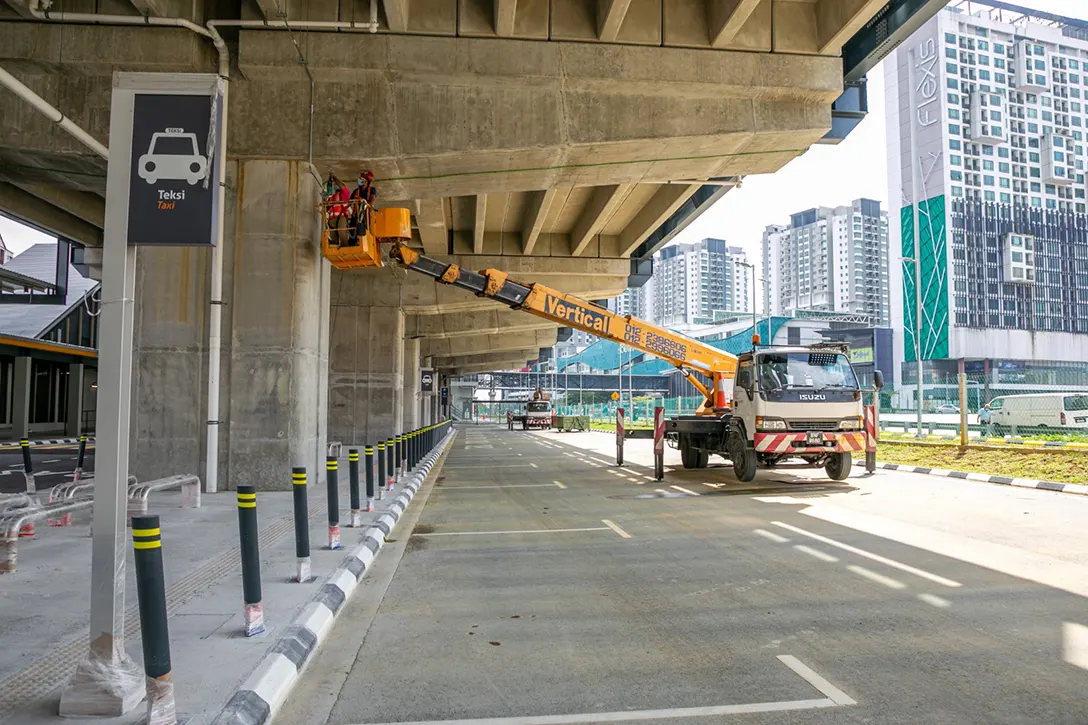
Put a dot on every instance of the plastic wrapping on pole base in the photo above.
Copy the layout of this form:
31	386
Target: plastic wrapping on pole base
161	709
334	537
27	530
9	552
302	570
254	619
356	518
390	481
370	505
103	686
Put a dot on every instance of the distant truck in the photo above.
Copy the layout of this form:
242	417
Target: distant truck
538	413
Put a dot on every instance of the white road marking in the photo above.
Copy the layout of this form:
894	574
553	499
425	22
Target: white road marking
874	557
681	488
511	485
771	535
815	552
806	673
558	483
615	528
534	465
878	578
712	485
1075	644
52	460
516	531
935	601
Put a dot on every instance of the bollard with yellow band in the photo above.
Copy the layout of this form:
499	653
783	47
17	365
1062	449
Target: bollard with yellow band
397	452
353	488
390	474
332	487
253	612
370	478
302	523
381	468
154	633
27	530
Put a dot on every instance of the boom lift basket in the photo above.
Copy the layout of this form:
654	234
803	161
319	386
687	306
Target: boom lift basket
343	251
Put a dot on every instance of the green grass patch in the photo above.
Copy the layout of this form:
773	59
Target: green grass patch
1052	465
599	425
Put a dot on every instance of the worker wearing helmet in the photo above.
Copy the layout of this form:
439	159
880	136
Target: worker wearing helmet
362	199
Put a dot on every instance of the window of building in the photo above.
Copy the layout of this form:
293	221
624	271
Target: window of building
954	114
954	144
1005	198
1036	187
957	175
1003	182
957	191
951	67
1003	152
999	63
954	129
953	83
950	38
987	180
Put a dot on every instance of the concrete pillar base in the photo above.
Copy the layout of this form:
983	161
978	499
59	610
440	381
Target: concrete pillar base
366	373
103	686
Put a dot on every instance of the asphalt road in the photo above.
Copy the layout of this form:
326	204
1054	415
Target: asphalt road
53	464
540	581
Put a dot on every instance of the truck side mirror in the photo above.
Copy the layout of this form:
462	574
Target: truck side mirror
878	379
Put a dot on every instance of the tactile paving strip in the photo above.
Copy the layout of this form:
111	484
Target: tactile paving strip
42	676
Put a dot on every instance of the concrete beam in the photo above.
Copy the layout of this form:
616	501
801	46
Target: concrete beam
662	204
152	8
838	20
590	277
504	17
602	205
482	322
479	225
535	214
433	227
486	359
26	207
472	345
84	205
725	18
271	9
514	363
396	15
21	7
610	14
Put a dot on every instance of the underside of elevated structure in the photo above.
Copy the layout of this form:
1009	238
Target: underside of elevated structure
558	140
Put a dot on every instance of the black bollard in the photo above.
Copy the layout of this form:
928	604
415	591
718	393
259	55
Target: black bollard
370	478
79	458
353	488
253	614
396	456
154	633
381	468
302	523
332	486
390	475
28	466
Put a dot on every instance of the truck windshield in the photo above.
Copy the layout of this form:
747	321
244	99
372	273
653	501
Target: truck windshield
537	407
816	370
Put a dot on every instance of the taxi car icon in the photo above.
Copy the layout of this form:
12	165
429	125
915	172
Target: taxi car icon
173	155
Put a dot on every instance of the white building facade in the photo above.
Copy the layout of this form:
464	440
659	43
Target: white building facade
832	260
693	281
986	117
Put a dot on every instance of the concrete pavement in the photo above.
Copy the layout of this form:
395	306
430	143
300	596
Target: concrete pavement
542	581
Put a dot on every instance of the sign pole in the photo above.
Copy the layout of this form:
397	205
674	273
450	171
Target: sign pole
167	197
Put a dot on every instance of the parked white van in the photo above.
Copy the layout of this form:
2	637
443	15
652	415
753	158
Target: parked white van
1041	410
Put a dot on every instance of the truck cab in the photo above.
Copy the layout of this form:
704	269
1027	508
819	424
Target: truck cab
790	403
538	411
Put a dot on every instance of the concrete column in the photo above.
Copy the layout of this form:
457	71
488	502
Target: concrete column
366	366
412	417
73	423
279	330
20	398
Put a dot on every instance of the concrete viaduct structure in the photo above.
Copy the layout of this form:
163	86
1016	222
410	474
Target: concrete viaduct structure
548	138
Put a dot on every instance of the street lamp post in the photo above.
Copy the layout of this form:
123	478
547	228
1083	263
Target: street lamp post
752	266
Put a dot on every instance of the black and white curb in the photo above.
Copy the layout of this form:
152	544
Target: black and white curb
262	694
51	442
986	478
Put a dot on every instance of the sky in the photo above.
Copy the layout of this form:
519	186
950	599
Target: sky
824	176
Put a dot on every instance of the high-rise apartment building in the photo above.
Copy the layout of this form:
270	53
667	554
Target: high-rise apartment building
986	117
693	281
830	259
635	301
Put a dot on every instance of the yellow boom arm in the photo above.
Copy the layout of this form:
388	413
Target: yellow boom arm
688	355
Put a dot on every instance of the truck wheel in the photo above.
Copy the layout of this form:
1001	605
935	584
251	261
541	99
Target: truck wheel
701	458
688	455
744	459
838	466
